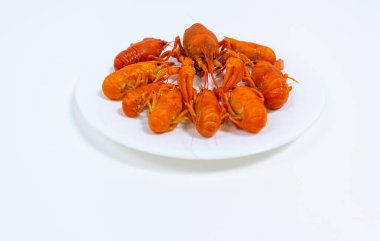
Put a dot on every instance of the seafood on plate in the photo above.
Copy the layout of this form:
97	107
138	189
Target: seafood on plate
241	80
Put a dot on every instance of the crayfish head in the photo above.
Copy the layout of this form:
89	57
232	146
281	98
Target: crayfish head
207	61
209	55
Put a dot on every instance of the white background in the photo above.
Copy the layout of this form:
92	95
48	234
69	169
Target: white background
61	180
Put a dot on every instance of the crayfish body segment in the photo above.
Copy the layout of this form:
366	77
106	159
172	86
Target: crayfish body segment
135	100
166	109
246	108
116	84
147	49
207	113
253	51
272	84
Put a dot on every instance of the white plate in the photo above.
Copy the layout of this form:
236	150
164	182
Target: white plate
284	125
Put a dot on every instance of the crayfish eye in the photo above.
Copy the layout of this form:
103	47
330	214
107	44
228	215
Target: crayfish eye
202	56
214	58
158	64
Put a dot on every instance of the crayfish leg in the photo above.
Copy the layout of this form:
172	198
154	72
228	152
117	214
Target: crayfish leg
191	111
181	117
140	79
247	78
226	103
161	59
230	114
177	50
152	101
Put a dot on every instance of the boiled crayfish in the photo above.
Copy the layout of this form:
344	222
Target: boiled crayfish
147	49
252	82
116	84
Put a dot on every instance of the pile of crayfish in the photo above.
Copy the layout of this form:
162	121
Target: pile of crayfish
252	82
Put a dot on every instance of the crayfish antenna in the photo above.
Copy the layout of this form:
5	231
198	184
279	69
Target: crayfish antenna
213	79
288	77
206	73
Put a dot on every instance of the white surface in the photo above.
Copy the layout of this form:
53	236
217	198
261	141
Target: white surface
304	105
59	180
